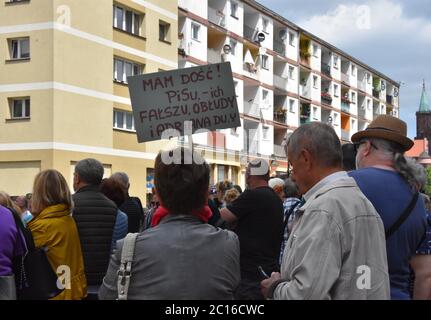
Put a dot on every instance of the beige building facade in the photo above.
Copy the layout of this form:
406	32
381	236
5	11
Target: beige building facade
63	91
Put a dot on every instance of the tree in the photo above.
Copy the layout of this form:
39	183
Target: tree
428	185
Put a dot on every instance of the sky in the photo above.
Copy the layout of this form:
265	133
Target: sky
392	36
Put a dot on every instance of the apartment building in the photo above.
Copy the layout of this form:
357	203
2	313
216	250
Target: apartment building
63	91
284	77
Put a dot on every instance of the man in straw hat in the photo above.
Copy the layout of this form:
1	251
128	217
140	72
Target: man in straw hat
389	182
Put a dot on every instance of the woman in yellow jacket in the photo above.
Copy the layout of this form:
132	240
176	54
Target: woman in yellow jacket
54	228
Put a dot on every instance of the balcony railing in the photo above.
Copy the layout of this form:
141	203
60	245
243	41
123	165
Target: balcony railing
280	82
214	56
326	69
250	33
304	91
345	135
252	145
250	70
280	116
280	47
217	16
304	119
362	86
252	109
376	94
361	111
326	98
345	78
345	107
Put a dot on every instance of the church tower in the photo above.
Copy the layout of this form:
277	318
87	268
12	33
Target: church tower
423	118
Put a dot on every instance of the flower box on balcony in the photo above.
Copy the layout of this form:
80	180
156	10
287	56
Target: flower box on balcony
326	97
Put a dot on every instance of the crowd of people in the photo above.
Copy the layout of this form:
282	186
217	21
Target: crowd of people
349	222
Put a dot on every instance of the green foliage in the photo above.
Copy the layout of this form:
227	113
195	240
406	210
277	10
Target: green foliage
428	185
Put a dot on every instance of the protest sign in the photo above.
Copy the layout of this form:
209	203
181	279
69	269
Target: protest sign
204	95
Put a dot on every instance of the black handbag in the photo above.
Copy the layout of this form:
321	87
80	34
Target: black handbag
34	277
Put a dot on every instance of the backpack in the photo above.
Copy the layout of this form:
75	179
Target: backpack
34	277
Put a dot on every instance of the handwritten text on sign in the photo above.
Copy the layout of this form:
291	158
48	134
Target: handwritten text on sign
203	95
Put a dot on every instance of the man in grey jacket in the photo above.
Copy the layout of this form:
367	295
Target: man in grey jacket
336	249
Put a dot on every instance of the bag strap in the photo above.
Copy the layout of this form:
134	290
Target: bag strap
125	271
289	213
403	216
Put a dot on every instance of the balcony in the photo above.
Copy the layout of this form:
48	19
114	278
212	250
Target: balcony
252	109
250	33
250	70
361	111
280	116
390	99
362	86
345	106
304	91
345	78
326	69
376	93
280	82
214	56
326	98
345	135
304	59
217	17
280	47
304	120
279	151
252	145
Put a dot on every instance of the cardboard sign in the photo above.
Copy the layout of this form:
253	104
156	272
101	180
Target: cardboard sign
204	95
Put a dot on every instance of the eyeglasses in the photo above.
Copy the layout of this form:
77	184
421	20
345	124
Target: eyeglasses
357	144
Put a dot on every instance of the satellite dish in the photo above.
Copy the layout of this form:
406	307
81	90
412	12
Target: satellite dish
283	35
329	119
227	49
396	92
260	37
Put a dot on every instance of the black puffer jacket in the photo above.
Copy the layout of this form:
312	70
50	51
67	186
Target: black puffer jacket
95	217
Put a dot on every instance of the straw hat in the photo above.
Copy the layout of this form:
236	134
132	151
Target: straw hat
387	128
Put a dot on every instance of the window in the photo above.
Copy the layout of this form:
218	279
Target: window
368	104
196	28
353	70
235	83
124	120
265	24
291	73
368	78
335	62
265	95
315	82
315	50
20	48
124	69
234	9
335	117
292	106
221	172
291	39
354	97
335	90
353	123
127	20
232	44
20	108
265	133
264	62
164	31
315	113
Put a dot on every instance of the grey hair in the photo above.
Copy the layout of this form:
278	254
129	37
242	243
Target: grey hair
408	168
90	171
290	188
122	177
320	140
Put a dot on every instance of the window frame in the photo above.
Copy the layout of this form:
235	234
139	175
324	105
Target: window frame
265	133
25	102
166	27
133	16
264	63
18	42
124	115
291	106
234	12
194	25
292	39
336	87
124	73
291	74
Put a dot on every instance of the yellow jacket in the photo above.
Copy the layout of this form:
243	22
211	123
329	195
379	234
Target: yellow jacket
56	230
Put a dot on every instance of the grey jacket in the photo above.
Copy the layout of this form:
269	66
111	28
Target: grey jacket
336	249
182	259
